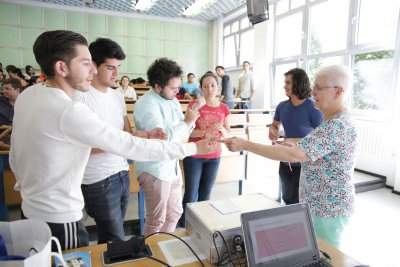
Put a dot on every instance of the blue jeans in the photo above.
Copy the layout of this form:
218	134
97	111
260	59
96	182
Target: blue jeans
106	202
230	105
200	175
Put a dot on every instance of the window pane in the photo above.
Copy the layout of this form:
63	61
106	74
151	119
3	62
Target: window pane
296	3
282	6
373	74
229	52
227	30
244	23
247	46
289	33
278	94
235	26
328	26
316	63
378	21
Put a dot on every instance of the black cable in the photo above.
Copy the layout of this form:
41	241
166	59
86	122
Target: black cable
227	250
194	253
216	249
160	261
326	255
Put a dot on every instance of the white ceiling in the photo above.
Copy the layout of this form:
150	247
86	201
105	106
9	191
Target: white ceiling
165	8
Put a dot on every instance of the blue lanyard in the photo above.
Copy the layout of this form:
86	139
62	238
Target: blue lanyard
3	253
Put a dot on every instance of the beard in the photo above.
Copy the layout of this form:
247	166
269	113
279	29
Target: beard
163	95
76	83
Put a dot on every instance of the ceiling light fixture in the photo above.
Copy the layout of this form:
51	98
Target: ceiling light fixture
197	7
143	4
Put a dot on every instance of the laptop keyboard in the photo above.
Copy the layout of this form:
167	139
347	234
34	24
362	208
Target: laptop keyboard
320	263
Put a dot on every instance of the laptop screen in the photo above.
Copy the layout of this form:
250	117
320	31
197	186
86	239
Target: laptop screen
279	237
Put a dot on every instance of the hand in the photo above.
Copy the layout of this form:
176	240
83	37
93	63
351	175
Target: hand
201	101
214	130
235	144
207	146
273	134
191	116
157	133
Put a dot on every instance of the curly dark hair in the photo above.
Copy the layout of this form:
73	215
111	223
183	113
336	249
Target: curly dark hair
162	70
301	84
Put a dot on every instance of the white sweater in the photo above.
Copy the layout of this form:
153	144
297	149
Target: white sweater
50	145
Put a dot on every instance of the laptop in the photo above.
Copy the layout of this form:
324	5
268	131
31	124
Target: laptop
281	237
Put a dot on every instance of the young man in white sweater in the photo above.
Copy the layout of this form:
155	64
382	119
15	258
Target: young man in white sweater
53	136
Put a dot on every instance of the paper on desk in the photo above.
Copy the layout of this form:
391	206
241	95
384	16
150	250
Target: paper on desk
177	253
225	206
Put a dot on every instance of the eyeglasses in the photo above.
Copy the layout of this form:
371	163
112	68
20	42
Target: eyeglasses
320	88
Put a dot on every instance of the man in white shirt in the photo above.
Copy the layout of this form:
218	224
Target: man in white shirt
246	86
106	183
53	135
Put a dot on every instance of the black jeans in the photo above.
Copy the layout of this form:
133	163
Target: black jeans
290	183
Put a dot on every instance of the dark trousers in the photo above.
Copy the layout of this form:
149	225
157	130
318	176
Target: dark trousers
200	175
106	202
71	235
289	182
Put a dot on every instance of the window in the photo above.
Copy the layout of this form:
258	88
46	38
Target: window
361	34
238	42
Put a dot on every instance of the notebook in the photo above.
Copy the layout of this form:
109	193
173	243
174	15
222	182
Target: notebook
282	236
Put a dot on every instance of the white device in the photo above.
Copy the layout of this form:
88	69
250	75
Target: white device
206	217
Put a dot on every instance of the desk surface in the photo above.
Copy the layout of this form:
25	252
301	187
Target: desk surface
339	259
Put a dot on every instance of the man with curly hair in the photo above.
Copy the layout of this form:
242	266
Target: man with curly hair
299	117
161	181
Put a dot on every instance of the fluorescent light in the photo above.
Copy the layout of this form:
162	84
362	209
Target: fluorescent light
143	4
197	7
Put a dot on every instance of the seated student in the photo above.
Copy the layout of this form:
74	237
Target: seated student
29	72
183	95
191	86
14	72
11	89
126	90
34	80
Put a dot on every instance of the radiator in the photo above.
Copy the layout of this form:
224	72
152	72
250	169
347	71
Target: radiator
376	149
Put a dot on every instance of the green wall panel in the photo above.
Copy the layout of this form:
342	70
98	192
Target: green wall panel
28	37
170	49
201	35
76	21
10	56
186	50
96	23
153	29
153	48
135	27
54	19
136	46
149	61
116	25
170	31
136	64
8	13
9	36
28	58
30	16
186	33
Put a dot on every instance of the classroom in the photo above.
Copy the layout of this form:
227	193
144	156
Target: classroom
211	43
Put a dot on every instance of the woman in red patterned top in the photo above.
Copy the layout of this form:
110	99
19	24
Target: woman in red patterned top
201	170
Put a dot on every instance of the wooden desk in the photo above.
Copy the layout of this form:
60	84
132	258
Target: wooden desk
339	259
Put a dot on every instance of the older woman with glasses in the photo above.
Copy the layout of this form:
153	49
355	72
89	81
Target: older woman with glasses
327	155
